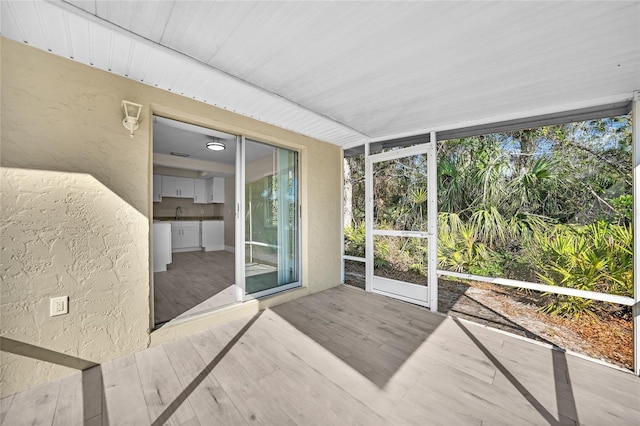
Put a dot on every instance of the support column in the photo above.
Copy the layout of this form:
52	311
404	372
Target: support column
342	266
432	218
368	203
635	122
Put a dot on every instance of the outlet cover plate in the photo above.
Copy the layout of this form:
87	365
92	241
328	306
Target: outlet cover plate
59	305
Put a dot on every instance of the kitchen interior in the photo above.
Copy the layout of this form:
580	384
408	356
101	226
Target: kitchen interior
194	235
193	219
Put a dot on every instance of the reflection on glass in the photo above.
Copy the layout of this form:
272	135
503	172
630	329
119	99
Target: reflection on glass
401	258
400	194
271	220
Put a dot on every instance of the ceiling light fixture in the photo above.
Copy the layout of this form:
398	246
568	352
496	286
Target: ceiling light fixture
131	116
179	154
215	145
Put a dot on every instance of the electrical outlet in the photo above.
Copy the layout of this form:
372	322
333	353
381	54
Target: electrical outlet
59	305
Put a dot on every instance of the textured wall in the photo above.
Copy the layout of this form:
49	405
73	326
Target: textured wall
322	212
67	234
76	205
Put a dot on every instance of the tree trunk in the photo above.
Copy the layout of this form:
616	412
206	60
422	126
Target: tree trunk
528	146
348	195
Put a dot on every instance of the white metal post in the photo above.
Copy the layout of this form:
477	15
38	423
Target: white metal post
635	123
368	215
239	207
432	219
342	265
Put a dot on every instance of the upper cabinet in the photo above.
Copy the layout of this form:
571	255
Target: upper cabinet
215	190
169	188
200	188
157	188
178	187
202	191
185	187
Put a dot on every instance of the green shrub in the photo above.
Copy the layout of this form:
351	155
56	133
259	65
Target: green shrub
460	251
381	254
417	268
624	205
355	239
596	257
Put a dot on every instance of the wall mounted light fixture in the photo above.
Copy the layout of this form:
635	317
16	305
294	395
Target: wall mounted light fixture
131	116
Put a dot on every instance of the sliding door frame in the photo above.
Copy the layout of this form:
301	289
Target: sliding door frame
240	232
239	219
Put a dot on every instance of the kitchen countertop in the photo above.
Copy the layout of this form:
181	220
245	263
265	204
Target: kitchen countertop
188	218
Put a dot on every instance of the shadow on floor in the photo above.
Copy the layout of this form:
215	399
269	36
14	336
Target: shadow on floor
454	300
375	347
90	376
188	390
566	406
378	346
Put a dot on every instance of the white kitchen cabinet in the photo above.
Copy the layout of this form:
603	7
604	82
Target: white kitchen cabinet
157	188
212	235
185	236
178	187
215	190
185	187
191	236
200	192
169	188
161	246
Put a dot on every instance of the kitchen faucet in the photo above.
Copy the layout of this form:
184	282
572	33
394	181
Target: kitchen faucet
178	212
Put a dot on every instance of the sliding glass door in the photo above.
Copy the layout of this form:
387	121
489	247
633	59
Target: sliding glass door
270	224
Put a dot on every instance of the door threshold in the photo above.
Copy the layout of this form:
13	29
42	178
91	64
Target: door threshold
181	327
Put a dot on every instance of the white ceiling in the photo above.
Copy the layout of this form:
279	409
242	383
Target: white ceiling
175	136
352	72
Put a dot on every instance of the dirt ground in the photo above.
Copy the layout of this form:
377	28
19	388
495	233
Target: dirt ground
606	337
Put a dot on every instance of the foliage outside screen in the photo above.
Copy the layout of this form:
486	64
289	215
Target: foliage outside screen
550	205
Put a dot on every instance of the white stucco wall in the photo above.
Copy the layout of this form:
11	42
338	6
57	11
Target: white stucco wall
76	205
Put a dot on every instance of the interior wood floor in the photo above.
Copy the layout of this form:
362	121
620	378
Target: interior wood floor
339	357
194	282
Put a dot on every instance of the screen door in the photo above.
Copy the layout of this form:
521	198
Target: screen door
401	224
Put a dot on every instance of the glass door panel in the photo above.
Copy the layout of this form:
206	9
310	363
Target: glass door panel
271	225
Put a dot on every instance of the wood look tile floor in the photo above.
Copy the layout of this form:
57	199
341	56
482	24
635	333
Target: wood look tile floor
339	357
194	282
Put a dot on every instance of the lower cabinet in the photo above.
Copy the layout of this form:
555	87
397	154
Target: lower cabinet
194	235
212	235
185	235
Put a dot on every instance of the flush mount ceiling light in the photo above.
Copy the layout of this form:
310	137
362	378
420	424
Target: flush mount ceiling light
179	154
215	145
131	116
